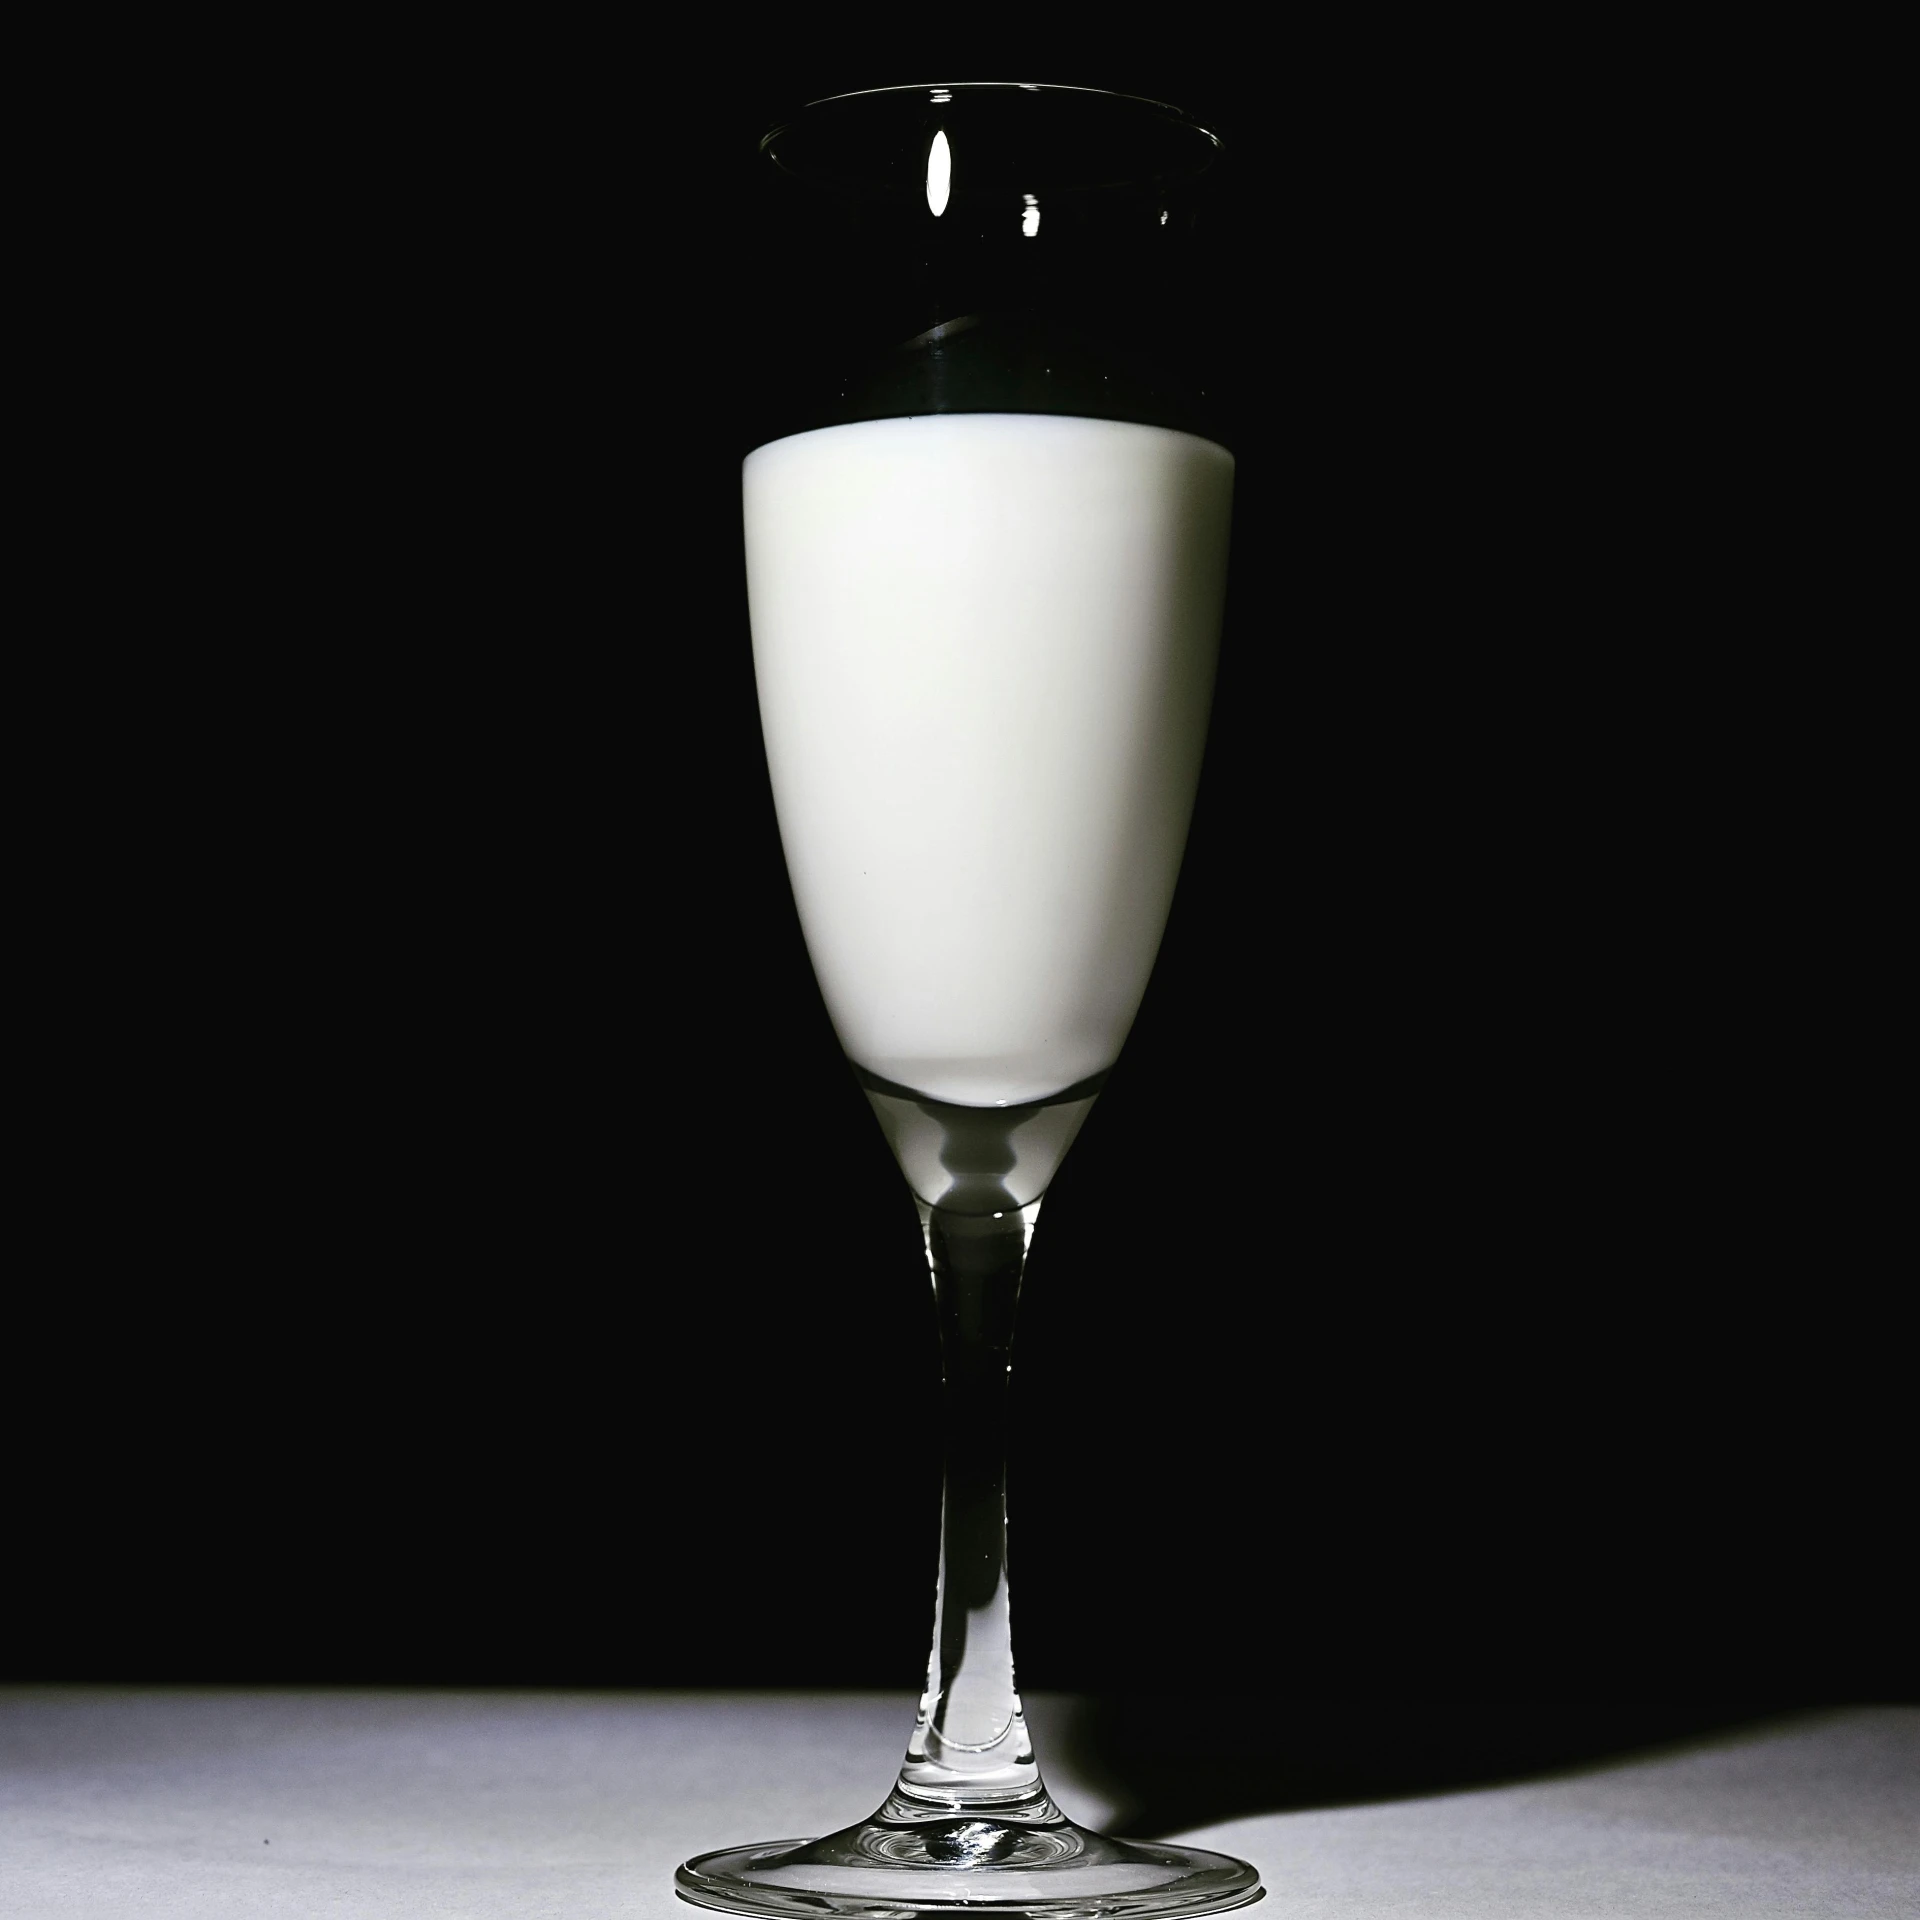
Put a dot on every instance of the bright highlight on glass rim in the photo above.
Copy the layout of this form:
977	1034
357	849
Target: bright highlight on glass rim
939	174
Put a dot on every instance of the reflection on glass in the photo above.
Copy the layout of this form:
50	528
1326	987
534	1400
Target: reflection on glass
939	174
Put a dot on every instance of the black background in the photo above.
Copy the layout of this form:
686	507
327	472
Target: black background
463	1256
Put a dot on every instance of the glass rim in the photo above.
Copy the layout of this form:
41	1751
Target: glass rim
1169	108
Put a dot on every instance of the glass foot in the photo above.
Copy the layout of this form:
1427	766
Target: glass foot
884	1870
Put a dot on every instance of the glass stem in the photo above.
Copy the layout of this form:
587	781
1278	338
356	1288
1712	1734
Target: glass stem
970	1753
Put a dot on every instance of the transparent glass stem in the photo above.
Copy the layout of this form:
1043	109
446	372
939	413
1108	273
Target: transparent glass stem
970	1753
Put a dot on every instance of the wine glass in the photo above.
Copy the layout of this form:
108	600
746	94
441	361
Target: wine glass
986	514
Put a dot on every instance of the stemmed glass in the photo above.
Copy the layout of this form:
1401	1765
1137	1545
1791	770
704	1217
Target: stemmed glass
986	516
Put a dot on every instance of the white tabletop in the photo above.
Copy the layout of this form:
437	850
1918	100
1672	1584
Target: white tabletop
147	1804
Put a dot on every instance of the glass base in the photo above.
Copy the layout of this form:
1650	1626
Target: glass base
883	1870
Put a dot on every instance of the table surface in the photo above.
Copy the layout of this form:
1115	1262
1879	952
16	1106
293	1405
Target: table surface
160	1802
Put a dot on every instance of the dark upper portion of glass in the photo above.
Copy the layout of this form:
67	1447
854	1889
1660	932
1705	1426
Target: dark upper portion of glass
986	248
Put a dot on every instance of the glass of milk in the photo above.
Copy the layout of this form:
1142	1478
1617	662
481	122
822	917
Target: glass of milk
987	513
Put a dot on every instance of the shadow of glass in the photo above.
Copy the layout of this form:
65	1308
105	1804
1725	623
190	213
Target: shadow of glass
1169	1764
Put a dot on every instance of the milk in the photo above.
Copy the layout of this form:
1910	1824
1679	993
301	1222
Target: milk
985	650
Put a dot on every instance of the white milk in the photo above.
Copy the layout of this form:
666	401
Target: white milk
985	650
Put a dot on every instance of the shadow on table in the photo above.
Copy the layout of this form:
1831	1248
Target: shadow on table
1170	1764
